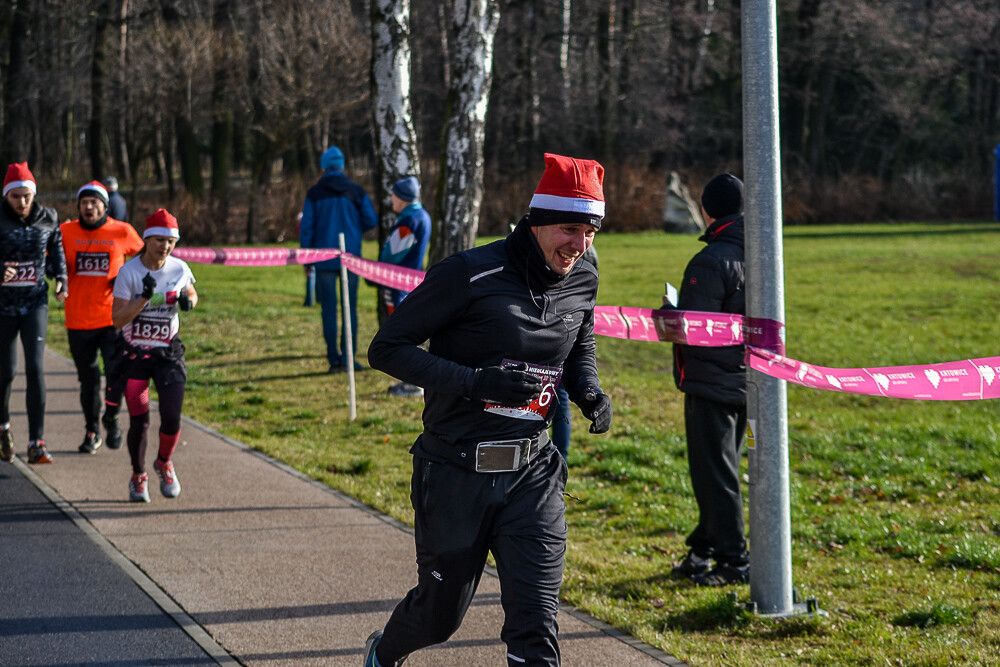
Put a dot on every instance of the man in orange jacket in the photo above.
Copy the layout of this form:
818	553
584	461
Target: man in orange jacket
96	247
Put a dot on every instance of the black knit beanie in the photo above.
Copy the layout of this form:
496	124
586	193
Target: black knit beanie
723	196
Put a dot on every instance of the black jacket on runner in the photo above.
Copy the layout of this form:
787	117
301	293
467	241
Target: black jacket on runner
714	282
477	308
35	243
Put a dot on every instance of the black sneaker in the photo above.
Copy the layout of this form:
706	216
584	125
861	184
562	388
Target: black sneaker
113	434
723	574
91	443
691	566
7	445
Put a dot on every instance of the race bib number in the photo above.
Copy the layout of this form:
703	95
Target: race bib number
150	331
25	275
93	263
538	409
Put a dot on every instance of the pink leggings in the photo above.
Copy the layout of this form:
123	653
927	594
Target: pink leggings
171	400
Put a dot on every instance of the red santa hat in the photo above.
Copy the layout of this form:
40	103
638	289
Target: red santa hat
571	190
93	189
19	176
161	223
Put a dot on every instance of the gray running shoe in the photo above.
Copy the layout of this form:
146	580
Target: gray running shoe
169	486
138	491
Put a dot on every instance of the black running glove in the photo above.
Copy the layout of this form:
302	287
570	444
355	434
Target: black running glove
596	407
184	301
506	386
148	285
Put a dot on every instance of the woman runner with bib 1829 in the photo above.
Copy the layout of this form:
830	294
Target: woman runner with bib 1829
149	291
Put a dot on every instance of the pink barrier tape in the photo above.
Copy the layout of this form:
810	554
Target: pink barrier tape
688	327
969	380
255	256
972	379
390	275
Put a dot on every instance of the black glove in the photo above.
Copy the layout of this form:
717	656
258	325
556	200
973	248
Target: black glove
184	301
597	408
506	386
148	285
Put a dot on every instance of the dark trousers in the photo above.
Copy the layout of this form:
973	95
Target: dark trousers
714	441
33	328
84	344
330	302
461	515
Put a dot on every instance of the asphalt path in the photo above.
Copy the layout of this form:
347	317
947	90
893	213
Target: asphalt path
254	563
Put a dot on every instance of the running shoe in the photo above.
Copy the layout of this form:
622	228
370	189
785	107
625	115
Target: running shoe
37	453
370	644
692	566
169	486
723	574
91	443
113	437
7	445
137	488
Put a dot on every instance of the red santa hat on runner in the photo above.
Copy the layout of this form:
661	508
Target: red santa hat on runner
162	223
93	189
19	176
570	191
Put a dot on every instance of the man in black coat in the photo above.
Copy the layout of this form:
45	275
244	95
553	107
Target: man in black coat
507	322
713	380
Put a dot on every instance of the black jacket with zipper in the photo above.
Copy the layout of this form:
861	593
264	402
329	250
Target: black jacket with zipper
477	308
34	239
714	281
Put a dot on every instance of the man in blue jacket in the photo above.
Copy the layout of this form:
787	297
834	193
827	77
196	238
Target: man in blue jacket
406	246
336	205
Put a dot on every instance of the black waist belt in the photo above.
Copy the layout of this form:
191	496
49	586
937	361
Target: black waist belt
488	456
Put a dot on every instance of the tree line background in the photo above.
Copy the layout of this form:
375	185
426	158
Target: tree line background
219	109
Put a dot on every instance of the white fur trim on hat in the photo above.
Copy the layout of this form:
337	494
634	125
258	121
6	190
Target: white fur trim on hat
20	184
568	204
171	232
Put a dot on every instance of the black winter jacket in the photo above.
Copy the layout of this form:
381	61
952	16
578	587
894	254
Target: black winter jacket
35	243
714	282
477	308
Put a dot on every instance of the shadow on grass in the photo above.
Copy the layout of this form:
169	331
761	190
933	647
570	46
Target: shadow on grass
262	360
937	613
262	378
904	229
721	612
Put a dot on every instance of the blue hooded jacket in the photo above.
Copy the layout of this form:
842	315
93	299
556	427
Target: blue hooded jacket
335	205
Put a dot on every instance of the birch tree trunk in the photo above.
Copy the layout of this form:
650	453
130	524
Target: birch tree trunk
474	26
392	116
396	151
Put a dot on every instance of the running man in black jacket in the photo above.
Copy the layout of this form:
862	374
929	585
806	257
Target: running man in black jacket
713	380
30	250
506	323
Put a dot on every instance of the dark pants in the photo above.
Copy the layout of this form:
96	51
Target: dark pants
32	327
84	344
330	302
714	441
461	515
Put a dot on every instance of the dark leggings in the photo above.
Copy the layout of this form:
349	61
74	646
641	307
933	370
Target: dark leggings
171	400
32	326
84	344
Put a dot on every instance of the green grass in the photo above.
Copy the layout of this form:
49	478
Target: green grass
895	504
